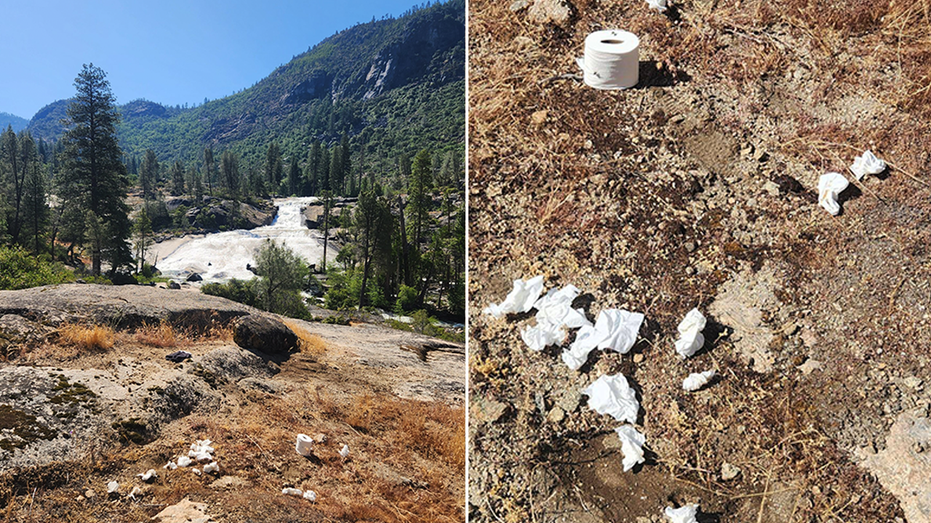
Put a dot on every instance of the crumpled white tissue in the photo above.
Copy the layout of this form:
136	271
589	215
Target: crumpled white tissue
612	395
212	467
136	490
615	329
632	441
697	380
184	461
171	465
555	308
292	492
690	336
196	472
310	495
867	164
520	299
344	452
112	487
148	475
542	335
658	5
830	185
683	514
554	315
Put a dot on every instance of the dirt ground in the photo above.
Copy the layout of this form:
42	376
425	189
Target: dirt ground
401	415
698	188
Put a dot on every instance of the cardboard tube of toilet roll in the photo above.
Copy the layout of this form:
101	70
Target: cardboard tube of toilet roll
612	59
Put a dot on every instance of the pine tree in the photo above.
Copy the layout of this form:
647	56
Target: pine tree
418	194
177	179
294	178
274	170
35	207
148	175
209	169
93	177
229	171
336	171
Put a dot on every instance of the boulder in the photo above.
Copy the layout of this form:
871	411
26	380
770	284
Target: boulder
174	285
195	277
258	333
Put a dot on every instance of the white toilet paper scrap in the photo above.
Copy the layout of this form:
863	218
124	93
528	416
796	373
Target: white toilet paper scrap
292	492
171	465
683	514
542	335
310	495
867	164
830	185
196	472
632	441
344	452
304	445
697	380
136	491
658	5
112	487
212	467
555	308
612	59
614	329
520	299
184	461
690	336
612	395
147	475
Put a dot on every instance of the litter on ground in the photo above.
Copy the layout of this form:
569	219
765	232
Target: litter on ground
697	380
867	164
612	395
683	514
615	329
830	186
632	441
691	339
521	298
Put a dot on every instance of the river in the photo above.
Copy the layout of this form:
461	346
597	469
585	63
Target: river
222	256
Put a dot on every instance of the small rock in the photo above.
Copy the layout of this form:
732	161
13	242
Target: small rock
79	498
728	471
520	5
569	401
550	11
690	246
771	187
89	494
809	366
539	118
918	447
679	118
790	328
487	411
638	357
320	438
556	415
174	285
195	277
912	382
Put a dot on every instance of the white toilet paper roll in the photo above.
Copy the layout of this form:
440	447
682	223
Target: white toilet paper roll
612	59
305	445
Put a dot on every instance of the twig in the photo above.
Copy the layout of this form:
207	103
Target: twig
567	76
33	502
263	452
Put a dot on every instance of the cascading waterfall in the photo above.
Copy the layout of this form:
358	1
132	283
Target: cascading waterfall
223	256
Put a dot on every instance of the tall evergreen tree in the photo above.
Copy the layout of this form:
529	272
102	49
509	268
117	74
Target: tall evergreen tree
35	207
336	172
294	177
229	171
148	175
274	170
418	195
209	169
93	177
177	179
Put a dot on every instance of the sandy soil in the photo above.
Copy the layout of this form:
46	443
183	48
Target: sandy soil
699	189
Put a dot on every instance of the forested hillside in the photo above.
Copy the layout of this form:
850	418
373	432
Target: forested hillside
11	120
392	86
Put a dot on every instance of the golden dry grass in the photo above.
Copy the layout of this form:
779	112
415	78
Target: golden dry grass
89	337
308	343
162	335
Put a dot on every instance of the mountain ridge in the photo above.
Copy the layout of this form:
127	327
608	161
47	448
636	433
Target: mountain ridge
396	85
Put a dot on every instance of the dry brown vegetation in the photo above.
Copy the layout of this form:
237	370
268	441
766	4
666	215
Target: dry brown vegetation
308	343
604	190
87	337
162	335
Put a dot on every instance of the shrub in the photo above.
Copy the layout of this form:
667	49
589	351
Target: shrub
21	270
241	291
161	335
93	337
407	299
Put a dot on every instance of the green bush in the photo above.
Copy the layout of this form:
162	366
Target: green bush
21	270
407	299
241	291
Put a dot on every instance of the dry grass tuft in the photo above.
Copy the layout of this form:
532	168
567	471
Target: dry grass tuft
93	337
308	342
220	332
161	335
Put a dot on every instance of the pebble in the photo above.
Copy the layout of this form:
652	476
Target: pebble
90	494
638	357
728	471
556	415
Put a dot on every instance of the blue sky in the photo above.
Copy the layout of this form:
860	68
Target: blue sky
170	52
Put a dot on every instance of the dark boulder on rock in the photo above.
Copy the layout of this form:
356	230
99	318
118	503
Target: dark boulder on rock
195	277
174	285
122	278
258	333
